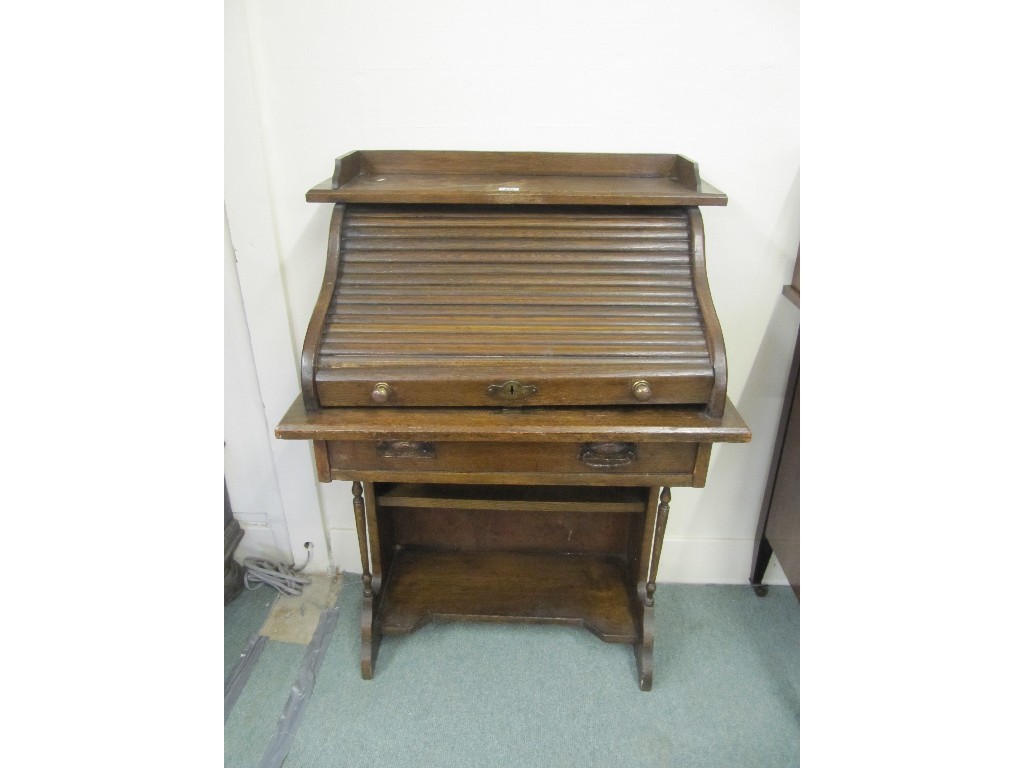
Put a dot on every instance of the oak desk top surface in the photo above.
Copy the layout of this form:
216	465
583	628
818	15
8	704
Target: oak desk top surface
638	423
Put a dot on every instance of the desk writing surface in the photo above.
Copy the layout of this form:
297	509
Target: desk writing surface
669	424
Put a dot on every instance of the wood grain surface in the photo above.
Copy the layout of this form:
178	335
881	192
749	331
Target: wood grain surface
515	178
585	589
637	423
513	356
506	456
443	304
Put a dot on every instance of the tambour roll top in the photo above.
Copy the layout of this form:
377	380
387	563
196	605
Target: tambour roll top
514	279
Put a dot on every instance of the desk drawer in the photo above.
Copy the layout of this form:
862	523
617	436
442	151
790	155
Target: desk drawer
606	458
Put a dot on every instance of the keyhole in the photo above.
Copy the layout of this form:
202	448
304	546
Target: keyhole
512	390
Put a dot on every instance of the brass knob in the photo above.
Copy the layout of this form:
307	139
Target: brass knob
641	390
381	393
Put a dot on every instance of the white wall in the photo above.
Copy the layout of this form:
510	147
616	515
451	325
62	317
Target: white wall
718	82
248	459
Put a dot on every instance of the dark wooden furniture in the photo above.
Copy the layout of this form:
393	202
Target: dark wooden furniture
778	527
233	572
513	357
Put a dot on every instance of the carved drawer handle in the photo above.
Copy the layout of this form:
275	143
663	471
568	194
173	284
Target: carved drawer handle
405	449
604	455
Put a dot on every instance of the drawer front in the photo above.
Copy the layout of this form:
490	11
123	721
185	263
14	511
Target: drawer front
336	388
606	458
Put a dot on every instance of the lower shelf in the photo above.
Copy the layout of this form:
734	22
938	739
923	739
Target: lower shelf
591	590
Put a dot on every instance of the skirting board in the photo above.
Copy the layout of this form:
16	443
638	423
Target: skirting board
683	561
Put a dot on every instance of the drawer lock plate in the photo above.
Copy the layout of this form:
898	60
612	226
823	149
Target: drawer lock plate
511	390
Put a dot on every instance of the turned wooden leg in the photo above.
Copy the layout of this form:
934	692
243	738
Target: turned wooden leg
370	641
654	535
659	538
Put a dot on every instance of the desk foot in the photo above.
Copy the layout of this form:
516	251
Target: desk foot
370	635
644	649
762	554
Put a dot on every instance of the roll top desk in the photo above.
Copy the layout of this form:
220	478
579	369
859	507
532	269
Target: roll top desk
513	357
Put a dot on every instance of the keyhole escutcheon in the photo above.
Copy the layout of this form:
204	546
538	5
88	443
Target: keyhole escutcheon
511	390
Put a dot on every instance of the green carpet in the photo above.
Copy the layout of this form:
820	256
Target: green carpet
726	692
243	617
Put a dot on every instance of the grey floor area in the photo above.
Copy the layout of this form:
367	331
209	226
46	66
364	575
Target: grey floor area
726	690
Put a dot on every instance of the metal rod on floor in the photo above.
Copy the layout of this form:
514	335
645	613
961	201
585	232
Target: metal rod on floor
240	673
291	717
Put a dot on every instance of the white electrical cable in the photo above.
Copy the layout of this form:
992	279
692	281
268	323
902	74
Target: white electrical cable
284	578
